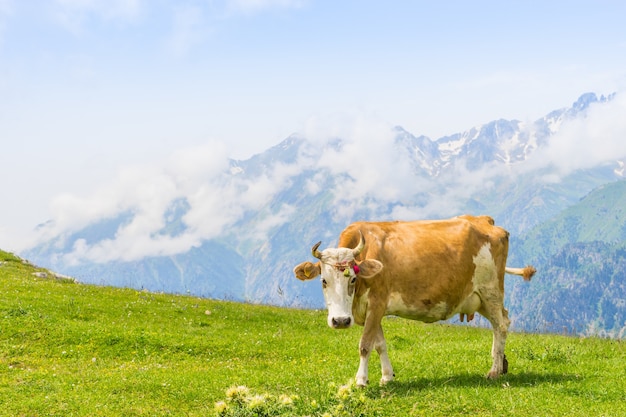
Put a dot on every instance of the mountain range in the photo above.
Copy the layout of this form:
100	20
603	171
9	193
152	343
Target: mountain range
564	214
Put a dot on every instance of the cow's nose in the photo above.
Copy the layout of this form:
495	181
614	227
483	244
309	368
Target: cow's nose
341	322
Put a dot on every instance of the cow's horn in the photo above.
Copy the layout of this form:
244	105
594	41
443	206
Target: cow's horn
315	252
360	246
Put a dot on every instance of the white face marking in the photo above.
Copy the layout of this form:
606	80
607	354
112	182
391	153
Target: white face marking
338	289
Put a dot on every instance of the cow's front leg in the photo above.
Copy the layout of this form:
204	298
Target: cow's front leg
373	338
385	363
364	355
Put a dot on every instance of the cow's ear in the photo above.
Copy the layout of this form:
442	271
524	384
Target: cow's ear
369	267
307	270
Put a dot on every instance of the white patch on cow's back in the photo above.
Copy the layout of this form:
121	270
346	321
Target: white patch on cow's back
485	277
485	272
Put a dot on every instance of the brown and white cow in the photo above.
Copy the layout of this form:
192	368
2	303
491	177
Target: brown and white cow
420	270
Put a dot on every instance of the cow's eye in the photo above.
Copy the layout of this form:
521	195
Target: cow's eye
353	280
324	283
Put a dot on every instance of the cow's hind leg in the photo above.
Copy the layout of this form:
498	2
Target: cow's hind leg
499	318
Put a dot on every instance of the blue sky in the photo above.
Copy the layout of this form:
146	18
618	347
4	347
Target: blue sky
91	87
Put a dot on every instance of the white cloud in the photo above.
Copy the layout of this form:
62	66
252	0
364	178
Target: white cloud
200	176
367	167
192	166
147	192
272	221
599	136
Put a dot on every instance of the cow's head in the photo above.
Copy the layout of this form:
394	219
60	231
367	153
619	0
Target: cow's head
340	272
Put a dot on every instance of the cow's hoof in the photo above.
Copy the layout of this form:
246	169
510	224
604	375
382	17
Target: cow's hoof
493	374
386	378
361	382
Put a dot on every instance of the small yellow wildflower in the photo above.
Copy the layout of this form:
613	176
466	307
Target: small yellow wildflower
221	407
237	391
256	402
344	391
285	399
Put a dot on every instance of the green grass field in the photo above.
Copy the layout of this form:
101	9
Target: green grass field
68	349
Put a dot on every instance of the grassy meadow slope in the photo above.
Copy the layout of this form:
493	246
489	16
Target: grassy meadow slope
70	349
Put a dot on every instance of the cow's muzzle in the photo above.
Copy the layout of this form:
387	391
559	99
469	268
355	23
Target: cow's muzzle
341	322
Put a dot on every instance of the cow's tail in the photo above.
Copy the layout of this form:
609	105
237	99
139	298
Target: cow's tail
526	272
